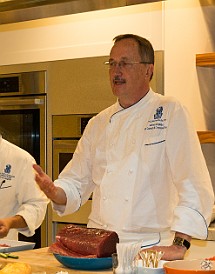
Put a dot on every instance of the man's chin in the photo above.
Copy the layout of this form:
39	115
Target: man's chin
118	89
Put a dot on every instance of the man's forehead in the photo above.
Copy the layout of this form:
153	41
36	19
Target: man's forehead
125	48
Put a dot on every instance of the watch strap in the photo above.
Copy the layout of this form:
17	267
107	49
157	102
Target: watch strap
181	242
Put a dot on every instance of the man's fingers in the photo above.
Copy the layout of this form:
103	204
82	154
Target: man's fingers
38	169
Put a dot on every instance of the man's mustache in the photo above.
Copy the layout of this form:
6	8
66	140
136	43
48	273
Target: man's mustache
118	79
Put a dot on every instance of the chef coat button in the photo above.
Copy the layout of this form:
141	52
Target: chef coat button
133	141
126	199
105	226
130	171
104	198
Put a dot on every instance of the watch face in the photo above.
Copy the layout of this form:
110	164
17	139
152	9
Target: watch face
181	242
178	241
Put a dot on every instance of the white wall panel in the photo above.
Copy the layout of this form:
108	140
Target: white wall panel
79	35
187	33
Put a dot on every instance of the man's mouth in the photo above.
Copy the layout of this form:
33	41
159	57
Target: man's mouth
118	80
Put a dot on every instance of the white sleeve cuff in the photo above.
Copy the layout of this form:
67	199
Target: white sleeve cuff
73	199
189	221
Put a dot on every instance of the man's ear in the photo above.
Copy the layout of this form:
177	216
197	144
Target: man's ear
149	71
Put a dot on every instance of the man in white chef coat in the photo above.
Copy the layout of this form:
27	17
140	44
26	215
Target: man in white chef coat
23	205
142	160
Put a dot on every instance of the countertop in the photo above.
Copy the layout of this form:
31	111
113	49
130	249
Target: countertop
200	249
43	262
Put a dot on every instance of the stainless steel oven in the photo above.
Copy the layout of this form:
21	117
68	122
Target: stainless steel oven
23	121
66	131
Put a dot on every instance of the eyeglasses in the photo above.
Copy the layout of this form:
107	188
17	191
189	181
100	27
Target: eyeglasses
122	64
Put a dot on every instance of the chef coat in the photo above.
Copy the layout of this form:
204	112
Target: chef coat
145	167
19	193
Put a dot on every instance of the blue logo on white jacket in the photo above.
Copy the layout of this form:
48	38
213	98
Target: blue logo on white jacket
7	169
159	113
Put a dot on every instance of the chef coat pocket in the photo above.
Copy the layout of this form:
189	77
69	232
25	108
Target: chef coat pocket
153	151
156	140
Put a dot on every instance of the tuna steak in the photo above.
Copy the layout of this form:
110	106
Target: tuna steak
77	241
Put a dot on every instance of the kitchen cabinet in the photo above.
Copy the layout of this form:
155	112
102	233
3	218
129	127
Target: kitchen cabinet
205	60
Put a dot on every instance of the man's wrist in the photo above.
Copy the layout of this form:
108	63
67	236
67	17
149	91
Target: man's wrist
179	241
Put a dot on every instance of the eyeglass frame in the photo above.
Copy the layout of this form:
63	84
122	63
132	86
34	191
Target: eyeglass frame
123	64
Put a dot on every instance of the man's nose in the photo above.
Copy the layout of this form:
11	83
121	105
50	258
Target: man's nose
118	68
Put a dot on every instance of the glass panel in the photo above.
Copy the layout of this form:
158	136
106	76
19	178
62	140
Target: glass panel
9	84
64	158
209	153
22	128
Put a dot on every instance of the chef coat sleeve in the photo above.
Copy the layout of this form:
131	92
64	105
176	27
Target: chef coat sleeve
190	175
32	203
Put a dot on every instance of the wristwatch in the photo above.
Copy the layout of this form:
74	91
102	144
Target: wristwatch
181	242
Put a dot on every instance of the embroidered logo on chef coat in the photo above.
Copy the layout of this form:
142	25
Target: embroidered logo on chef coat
7	169
3	184
157	122
6	176
159	113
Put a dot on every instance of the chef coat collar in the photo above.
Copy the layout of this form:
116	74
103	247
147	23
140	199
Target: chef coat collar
118	108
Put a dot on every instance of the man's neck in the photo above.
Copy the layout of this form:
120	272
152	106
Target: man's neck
130	102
